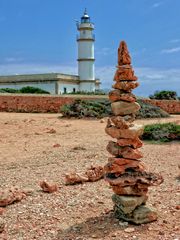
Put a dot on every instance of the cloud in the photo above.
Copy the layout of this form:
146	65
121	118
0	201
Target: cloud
171	50
150	79
104	51
177	40
13	59
157	4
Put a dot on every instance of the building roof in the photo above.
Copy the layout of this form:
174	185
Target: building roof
37	77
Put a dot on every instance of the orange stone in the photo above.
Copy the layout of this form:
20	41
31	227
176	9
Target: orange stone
126	85
116	95
115	167
124	74
133	132
124	108
135	143
123	54
119	122
130	190
125	152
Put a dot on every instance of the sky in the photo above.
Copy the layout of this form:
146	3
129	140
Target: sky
39	36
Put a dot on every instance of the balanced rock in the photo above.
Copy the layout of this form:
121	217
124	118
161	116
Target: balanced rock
123	54
135	143
116	95
128	203
119	122
117	168
134	190
142	214
127	86
126	152
124	108
133	132
124	73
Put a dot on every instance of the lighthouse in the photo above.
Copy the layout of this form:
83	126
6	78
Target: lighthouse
85	41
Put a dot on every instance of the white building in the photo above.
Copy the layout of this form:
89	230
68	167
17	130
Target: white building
59	83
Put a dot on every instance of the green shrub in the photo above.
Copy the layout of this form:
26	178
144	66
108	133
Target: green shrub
97	92
102	108
167	95
163	132
87	108
29	89
9	90
148	110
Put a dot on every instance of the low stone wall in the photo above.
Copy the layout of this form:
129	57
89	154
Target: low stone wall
50	103
170	106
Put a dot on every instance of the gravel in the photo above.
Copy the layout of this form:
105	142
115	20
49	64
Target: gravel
83	211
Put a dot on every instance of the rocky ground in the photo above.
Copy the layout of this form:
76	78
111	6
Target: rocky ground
36	147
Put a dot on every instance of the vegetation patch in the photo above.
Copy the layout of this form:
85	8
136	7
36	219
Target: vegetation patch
148	110
164	95
100	108
163	132
27	89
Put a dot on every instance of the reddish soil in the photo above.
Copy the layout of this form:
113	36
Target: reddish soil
37	147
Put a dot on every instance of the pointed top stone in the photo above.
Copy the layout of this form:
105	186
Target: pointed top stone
123	54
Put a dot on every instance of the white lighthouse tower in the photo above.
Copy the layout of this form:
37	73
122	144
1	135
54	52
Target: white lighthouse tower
86	60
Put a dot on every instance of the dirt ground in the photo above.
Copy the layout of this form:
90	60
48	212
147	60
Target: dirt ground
84	212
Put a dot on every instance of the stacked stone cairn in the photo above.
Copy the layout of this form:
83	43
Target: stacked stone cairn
125	172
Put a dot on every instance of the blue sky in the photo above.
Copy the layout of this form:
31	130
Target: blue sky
40	36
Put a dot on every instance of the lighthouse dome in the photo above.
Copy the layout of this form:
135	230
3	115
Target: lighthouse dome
85	18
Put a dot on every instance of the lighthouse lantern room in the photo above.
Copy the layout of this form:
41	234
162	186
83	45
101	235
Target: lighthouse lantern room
86	59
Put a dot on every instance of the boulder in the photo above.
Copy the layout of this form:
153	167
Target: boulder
128	203
124	108
133	132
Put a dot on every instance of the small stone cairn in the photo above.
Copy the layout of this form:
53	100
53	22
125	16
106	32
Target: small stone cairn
125	172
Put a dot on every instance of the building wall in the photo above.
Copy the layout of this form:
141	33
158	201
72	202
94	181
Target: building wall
47	86
87	86
69	87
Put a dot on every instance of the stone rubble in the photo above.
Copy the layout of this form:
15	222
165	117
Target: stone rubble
92	174
124	171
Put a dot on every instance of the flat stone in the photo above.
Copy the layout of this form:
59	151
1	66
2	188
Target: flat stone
135	190
124	108
135	143
142	214
132	178
128	203
117	95
114	167
126	85
120	122
125	152
133	132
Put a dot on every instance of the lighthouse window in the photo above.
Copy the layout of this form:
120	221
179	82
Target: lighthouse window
74	90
